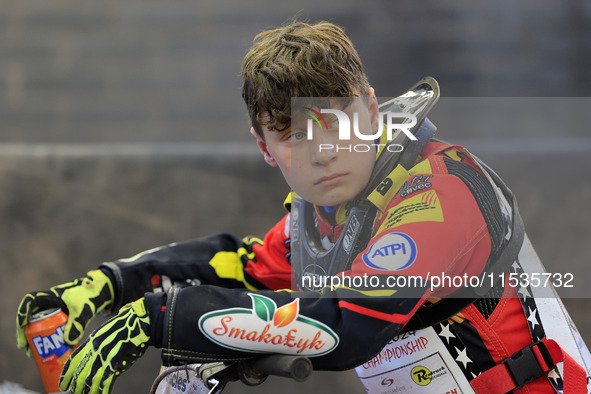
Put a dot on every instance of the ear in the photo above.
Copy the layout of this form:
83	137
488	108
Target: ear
374	110
263	148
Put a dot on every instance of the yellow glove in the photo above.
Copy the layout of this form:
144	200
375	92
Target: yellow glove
81	300
108	352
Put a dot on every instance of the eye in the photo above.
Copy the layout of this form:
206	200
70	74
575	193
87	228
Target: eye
297	136
332	121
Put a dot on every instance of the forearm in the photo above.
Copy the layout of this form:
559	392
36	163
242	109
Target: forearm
206	323
178	261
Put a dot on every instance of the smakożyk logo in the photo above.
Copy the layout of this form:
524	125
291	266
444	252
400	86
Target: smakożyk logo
266	328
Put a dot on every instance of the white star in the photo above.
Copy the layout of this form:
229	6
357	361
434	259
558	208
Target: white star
554	375
462	357
445	332
525	292
555	378
532	318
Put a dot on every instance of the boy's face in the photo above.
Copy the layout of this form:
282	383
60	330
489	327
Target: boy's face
327	176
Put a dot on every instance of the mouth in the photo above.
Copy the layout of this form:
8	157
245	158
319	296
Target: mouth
331	179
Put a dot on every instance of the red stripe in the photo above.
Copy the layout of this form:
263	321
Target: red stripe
496	380
575	377
394	318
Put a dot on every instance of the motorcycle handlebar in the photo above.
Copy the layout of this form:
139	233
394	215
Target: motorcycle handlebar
251	372
294	367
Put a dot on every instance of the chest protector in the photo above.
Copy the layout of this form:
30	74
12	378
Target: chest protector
424	356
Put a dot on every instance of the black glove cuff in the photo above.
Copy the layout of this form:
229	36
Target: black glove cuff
114	307
156	306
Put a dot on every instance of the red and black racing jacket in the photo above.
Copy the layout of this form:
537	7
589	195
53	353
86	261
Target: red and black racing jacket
441	216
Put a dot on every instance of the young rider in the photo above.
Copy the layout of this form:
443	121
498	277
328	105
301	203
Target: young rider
442	212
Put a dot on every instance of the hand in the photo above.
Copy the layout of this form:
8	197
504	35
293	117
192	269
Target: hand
81	300
108	352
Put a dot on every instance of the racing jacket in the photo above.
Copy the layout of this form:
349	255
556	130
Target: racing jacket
440	217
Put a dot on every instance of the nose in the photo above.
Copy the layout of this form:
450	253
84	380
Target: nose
325	147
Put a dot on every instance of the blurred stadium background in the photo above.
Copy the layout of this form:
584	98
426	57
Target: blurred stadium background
122	128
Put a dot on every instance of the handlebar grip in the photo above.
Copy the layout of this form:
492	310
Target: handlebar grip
296	367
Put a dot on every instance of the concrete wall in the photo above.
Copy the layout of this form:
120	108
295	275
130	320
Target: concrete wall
148	70
122	128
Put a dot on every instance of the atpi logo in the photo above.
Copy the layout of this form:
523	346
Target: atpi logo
394	121
266	328
392	252
51	344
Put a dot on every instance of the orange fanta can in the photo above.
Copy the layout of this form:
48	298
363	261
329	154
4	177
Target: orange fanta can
45	335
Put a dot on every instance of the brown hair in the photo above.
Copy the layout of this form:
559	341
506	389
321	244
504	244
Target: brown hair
298	60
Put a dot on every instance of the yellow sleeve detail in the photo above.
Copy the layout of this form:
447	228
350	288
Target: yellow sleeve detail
250	240
287	201
453	154
423	167
227	265
369	293
386	191
424	207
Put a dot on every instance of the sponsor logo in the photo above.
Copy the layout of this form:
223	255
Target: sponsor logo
387	382
392	252
420	375
423	207
351	234
51	344
417	183
423	376
267	328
